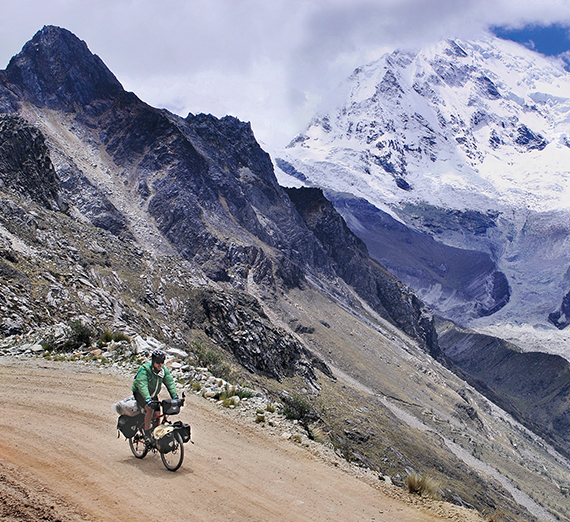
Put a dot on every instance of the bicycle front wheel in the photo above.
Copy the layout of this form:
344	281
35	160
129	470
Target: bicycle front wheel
138	446
173	459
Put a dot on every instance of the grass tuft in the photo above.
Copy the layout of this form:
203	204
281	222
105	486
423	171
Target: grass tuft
422	485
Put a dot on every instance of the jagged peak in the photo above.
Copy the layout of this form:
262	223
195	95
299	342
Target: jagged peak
56	69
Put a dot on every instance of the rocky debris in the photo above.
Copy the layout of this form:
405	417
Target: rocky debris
89	201
237	322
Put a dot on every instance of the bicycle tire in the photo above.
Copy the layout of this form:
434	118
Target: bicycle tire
173	459
138	446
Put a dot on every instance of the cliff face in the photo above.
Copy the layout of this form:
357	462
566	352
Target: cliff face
25	164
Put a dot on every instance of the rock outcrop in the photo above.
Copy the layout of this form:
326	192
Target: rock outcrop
237	321
25	164
561	318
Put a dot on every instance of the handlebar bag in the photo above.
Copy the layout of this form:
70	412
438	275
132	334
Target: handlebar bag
171	406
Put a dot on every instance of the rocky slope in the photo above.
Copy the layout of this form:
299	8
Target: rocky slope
153	225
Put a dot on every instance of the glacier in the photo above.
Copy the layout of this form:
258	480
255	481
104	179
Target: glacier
467	144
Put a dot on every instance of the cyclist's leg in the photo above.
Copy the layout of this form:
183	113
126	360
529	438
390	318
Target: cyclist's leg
148	411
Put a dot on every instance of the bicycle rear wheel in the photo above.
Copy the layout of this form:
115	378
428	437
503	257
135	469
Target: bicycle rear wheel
173	459
138	446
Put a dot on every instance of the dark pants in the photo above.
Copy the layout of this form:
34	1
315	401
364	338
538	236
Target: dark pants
148	410
141	401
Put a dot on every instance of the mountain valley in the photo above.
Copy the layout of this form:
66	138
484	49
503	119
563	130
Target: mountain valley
119	216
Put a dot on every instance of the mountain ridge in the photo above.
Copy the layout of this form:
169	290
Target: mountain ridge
464	142
176	228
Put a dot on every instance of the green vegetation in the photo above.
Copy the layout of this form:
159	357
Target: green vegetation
80	335
246	394
214	361
298	408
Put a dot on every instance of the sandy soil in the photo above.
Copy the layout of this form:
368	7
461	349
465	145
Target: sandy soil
61	460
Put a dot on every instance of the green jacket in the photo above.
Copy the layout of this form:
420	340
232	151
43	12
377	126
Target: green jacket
148	384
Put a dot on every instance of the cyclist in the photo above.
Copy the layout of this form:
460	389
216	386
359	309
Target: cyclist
146	386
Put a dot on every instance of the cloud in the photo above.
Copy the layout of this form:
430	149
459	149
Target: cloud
269	62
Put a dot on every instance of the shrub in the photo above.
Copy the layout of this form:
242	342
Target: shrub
245	394
227	393
422	485
297	407
106	337
229	402
79	336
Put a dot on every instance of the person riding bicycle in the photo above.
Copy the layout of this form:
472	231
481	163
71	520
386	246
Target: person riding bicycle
147	384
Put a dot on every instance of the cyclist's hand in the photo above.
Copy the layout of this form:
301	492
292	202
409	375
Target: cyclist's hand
153	405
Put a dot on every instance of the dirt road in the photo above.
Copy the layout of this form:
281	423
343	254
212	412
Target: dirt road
60	459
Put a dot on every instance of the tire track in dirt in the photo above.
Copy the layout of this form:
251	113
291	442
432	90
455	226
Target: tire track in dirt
57	431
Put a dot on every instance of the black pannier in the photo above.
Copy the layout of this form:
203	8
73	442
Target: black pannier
172	406
183	429
166	443
128	425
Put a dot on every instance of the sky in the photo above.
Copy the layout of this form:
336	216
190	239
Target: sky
271	62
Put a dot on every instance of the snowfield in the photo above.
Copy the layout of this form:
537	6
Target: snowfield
460	127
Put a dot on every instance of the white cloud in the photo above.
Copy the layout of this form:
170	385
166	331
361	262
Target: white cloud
266	61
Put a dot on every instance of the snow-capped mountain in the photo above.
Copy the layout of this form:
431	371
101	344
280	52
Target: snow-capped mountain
467	143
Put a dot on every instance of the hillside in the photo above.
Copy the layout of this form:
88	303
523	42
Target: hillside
75	468
122	220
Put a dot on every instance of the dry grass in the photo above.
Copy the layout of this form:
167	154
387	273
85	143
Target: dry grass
422	485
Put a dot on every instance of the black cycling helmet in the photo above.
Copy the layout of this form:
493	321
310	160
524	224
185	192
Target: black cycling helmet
158	356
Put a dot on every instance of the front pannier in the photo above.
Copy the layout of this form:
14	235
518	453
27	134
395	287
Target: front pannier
183	429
